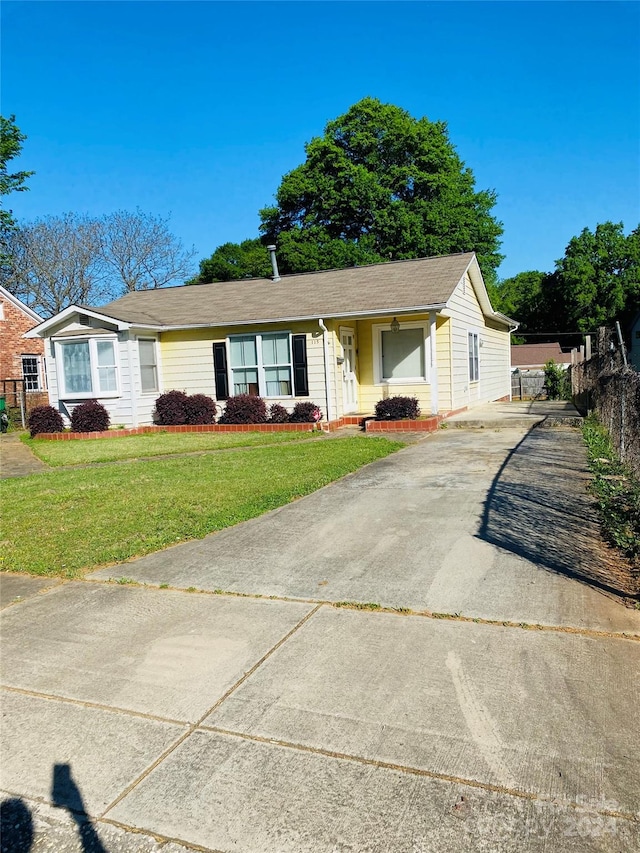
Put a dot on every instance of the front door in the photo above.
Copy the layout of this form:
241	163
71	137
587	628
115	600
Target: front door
349	381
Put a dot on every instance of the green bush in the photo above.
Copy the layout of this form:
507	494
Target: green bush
556	382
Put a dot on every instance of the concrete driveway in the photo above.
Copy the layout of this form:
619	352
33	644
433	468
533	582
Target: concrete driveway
479	693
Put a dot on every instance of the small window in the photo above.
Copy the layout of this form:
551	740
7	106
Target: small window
148	366
474	357
31	372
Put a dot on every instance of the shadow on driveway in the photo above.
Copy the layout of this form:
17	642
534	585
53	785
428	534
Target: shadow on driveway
16	823
538	508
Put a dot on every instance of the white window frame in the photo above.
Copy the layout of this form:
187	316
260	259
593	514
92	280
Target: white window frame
377	330
262	381
153	341
473	335
95	393
38	360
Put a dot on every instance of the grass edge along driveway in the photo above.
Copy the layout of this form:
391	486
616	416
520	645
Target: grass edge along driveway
88	451
67	522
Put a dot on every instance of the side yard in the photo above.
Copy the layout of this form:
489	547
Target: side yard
67	521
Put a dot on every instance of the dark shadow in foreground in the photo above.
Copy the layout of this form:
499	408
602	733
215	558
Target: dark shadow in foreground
65	794
16	822
16	826
538	508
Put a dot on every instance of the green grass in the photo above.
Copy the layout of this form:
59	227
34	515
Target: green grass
85	451
616	489
65	522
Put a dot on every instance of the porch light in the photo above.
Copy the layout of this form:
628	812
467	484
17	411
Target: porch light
395	326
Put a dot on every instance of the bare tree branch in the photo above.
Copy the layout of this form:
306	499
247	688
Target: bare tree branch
142	252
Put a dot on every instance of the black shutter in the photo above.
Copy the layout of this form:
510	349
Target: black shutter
300	378
220	371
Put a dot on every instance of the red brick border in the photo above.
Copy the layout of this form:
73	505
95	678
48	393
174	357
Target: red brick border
120	433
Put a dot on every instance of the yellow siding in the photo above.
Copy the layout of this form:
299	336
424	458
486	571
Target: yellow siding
370	392
187	360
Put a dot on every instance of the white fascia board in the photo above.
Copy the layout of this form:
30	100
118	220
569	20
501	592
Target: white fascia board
477	281
20	305
362	315
41	330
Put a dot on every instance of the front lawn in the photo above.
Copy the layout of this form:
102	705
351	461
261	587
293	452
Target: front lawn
87	450
66	522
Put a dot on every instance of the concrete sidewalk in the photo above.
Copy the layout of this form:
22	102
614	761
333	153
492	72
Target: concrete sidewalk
165	719
16	459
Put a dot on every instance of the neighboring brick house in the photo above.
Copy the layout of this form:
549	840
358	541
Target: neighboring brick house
22	368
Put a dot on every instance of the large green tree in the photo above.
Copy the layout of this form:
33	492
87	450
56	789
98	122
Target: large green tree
231	261
595	283
598	279
380	185
11	140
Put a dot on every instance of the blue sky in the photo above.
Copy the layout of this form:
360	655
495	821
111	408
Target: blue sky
197	109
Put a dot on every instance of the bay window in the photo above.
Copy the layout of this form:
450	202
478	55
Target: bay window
87	368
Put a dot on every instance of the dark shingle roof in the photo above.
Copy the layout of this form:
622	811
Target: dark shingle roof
376	289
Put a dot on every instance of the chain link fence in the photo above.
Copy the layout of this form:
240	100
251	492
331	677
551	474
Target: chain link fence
605	385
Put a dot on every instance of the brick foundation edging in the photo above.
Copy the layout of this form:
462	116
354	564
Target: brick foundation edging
422	425
145	430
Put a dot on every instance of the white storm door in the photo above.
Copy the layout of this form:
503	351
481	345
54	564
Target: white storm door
349	381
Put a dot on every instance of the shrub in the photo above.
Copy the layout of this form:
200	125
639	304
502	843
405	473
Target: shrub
200	409
397	408
45	419
556	382
244	409
90	416
305	413
171	409
278	414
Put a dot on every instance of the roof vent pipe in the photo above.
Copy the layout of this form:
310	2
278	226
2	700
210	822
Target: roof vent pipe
274	263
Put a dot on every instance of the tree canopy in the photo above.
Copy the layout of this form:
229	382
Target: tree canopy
380	185
11	140
595	283
232	261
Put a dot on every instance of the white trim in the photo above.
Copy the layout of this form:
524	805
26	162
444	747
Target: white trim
377	329
433	351
154	341
38	331
473	330
95	393
260	367
349	409
31	314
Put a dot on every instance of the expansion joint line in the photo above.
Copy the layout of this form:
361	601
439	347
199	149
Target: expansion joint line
418	771
193	726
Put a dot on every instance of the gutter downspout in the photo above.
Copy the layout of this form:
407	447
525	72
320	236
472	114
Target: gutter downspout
325	343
